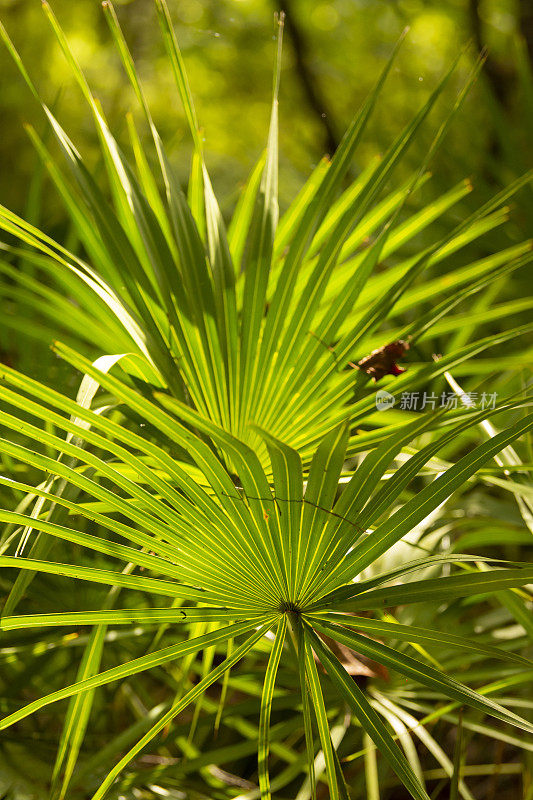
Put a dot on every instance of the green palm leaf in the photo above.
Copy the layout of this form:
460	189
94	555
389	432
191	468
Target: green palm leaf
226	453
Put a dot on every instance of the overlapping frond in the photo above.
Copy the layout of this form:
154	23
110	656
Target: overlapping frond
222	471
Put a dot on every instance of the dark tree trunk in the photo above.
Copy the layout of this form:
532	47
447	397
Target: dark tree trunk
314	96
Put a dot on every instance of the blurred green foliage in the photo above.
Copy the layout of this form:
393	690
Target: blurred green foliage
228	49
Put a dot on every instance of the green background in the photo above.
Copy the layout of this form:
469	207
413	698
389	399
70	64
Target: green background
333	52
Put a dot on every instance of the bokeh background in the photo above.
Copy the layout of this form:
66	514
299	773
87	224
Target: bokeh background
333	52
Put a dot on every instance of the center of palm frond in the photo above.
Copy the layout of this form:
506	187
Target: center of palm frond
290	608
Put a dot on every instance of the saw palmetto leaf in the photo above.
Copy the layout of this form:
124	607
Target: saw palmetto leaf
235	337
276	533
223	471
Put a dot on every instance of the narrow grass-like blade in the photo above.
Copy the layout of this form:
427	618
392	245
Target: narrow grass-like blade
263	745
